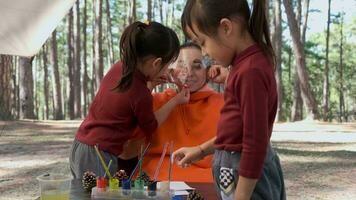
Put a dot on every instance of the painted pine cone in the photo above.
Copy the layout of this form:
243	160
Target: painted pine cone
88	180
121	174
194	195
145	177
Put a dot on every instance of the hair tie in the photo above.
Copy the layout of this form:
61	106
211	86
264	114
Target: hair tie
147	22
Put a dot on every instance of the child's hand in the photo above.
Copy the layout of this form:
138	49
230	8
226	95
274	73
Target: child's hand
183	96
218	73
131	148
185	156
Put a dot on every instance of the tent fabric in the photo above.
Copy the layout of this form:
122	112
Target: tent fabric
25	25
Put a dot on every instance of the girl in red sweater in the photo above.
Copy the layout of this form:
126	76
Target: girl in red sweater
245	165
124	101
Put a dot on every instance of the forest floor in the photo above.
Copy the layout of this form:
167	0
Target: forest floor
318	159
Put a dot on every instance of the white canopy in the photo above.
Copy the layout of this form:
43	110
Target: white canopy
26	24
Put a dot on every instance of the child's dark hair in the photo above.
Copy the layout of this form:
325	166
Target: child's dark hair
190	44
141	40
206	14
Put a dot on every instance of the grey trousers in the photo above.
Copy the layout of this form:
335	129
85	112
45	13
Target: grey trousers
83	157
270	186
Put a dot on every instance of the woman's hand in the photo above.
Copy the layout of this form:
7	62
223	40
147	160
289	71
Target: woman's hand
183	96
218	73
185	156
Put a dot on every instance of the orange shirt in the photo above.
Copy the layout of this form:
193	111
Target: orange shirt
187	125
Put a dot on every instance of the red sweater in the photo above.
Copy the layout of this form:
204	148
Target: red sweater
113	116
247	117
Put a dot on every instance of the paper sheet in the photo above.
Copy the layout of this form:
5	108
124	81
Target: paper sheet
177	186
181	193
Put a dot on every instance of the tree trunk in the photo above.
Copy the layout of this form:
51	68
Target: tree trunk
341	66
70	64
297	107
304	30
45	81
15	91
277	44
5	87
289	63
131	17
85	64
308	99
65	94
298	14
154	9
109	32
98	52
57	91
93	79
172	14
149	10
35	82
267	11
26	88
160	5
77	67
326	90
306	17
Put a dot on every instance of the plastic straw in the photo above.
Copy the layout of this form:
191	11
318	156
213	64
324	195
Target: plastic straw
141	152
138	163
160	161
108	167
102	161
98	172
170	161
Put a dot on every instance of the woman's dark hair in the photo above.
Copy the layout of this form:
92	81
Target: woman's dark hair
190	44
207	14
141	40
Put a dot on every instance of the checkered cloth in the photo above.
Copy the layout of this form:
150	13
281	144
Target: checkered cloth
227	180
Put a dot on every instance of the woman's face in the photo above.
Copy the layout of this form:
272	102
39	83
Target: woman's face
189	68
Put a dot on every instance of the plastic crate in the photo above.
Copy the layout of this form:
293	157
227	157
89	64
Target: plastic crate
120	193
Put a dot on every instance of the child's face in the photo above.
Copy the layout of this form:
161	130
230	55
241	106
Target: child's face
218	48
153	68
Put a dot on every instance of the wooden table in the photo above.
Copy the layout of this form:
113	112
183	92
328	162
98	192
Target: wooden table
77	192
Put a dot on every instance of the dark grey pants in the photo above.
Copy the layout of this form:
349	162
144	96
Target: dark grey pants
270	186
83	157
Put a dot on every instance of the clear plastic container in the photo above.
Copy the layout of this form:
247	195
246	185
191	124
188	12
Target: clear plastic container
54	186
121	194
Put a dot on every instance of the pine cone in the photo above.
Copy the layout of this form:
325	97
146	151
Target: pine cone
145	177
194	195
88	180
120	175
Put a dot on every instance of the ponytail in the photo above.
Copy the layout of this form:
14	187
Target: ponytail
140	40
258	27
128	54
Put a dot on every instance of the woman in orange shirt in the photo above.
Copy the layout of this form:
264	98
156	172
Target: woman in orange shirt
188	124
